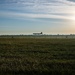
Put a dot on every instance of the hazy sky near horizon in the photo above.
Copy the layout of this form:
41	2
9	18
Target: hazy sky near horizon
28	16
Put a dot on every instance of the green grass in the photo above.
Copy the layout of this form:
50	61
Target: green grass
37	56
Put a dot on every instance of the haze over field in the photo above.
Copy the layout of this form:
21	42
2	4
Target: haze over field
28	16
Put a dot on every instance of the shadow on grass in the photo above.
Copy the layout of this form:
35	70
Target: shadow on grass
38	73
37	51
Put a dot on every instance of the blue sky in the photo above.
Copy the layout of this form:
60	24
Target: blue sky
29	16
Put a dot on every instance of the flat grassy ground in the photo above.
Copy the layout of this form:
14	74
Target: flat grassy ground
37	56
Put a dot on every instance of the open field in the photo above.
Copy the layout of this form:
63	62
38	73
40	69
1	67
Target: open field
38	36
37	56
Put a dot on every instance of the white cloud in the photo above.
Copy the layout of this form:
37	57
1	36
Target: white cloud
33	16
37	8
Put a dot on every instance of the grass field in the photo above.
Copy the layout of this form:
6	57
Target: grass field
37	56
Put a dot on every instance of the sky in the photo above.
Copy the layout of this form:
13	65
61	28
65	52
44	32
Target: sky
31	16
